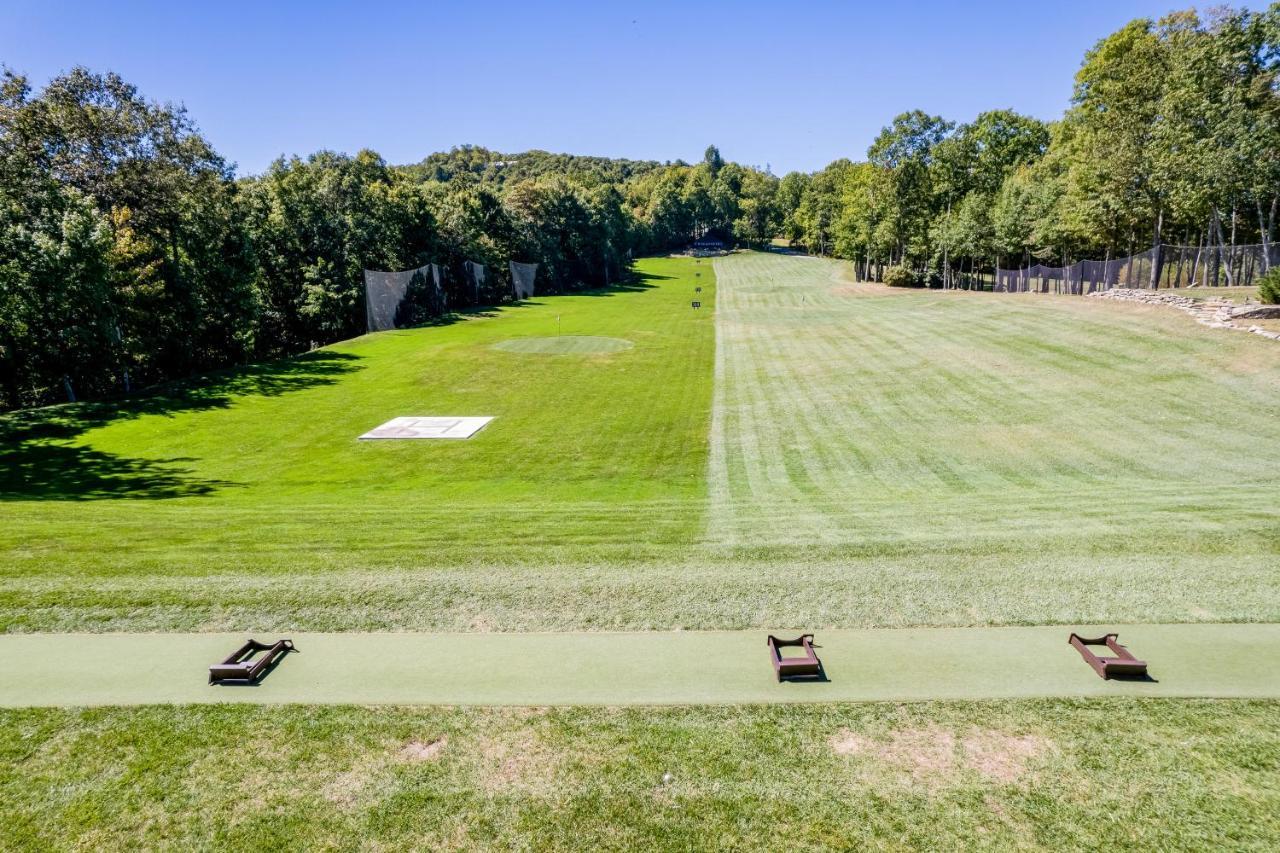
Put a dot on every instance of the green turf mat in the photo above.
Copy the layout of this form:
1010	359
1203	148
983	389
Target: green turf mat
635	668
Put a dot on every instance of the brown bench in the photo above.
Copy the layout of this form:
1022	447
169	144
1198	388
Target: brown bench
806	666
245	664
1124	664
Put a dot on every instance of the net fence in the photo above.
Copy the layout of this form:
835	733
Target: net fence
384	294
410	297
475	275
439	301
405	298
522	276
1216	266
1165	266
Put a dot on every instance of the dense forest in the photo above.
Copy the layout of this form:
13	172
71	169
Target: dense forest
130	252
1173	135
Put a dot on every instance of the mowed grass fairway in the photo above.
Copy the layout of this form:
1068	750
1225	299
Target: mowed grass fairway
926	457
247	500
846	455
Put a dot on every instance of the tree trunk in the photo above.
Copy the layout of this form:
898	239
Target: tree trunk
1262	234
1193	276
1217	225
1156	254
1231	256
946	245
9	370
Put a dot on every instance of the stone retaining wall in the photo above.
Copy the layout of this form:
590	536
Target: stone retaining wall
1213	313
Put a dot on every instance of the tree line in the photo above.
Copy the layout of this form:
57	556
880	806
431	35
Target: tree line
1173	135
131	254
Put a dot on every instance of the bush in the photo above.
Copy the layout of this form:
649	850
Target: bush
1269	287
900	277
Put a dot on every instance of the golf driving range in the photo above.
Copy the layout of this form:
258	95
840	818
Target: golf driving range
535	623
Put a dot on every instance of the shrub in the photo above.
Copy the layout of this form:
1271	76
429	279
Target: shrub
1269	287
900	277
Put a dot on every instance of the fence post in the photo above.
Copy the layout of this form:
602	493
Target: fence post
1157	263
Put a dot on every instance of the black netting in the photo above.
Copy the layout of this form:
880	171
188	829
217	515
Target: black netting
522	277
475	275
384	296
1162	267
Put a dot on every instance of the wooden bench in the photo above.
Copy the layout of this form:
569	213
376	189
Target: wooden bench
1124	664
805	666
244	664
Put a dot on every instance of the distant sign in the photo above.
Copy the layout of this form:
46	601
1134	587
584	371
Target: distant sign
697	305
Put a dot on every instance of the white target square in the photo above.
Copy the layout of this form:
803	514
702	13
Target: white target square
427	427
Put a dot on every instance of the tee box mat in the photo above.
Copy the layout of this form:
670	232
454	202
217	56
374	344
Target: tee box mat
427	427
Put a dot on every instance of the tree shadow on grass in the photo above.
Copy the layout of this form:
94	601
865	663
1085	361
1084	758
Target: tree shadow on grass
636	281
40	458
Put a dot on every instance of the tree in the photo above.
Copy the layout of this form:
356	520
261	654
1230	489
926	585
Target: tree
819	210
56	326
791	190
140	165
1110	138
316	224
905	152
759	218
712	160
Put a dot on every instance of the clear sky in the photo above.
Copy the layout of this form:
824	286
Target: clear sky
792	85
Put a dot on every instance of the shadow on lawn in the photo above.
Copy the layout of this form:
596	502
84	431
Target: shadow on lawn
40	459
636	281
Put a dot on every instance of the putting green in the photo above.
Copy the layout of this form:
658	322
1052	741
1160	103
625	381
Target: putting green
564	345
652	668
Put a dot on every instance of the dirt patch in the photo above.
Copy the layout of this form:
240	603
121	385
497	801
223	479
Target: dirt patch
344	789
933	755
417	750
374	770
517	760
846	742
925	755
1002	757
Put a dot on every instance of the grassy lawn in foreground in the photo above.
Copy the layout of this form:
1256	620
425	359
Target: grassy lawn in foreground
1133	774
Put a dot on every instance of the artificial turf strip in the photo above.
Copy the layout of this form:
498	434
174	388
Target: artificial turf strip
1083	774
651	668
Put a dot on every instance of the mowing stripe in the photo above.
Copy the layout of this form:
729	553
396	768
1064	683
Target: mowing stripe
652	668
829	396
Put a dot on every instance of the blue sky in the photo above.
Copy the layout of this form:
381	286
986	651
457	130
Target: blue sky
791	85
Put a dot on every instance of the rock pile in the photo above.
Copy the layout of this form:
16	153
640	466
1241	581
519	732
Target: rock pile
1213	313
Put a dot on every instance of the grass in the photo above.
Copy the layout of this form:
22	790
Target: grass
803	451
1128	774
867	458
598	455
1223	294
